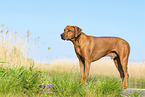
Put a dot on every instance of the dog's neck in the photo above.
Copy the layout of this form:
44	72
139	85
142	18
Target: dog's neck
76	41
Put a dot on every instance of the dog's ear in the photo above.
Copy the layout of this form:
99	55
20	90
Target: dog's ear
77	31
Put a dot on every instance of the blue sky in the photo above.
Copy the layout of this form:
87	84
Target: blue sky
48	18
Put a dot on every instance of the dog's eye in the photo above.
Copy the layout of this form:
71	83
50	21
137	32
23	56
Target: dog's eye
69	30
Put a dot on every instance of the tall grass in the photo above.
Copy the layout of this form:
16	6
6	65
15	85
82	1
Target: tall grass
15	49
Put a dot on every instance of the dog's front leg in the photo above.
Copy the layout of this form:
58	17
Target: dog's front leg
82	69
82	66
87	69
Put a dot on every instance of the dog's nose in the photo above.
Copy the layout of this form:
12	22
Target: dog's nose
62	36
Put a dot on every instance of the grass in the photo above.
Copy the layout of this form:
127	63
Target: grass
24	82
21	76
19	81
104	67
16	49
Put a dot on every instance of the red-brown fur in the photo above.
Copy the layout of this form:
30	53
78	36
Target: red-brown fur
90	48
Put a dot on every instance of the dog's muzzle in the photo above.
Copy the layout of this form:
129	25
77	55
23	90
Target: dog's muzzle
63	36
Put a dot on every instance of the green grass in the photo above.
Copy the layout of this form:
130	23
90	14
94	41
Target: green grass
23	82
19	81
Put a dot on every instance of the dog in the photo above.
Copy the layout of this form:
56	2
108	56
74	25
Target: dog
89	49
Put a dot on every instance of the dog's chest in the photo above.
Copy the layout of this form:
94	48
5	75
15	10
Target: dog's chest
78	50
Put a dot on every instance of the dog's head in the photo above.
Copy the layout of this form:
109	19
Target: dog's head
71	32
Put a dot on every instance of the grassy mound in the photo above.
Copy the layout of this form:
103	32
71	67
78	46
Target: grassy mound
24	82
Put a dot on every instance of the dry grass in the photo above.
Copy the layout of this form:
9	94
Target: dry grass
137	69
103	66
62	65
14	49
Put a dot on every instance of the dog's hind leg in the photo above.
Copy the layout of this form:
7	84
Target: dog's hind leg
124	54
119	67
124	62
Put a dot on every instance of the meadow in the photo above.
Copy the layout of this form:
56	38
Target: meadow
22	76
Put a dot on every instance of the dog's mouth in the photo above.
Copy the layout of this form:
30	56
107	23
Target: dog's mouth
63	36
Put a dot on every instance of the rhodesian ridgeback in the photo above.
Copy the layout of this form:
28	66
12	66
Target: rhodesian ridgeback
89	49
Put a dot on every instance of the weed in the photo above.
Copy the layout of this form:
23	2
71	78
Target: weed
19	81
